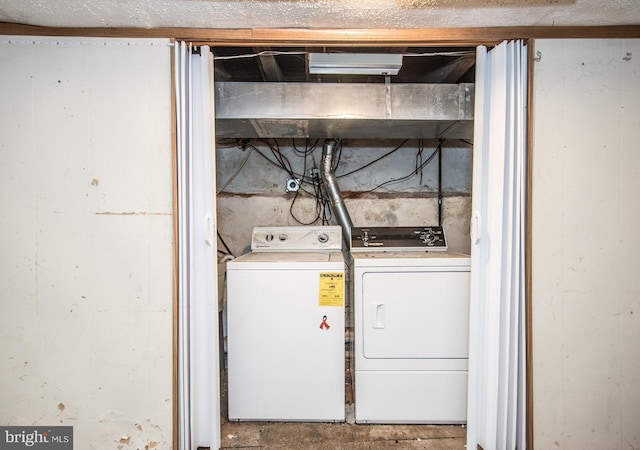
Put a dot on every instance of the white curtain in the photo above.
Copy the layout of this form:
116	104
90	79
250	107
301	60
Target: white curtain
496	405
198	370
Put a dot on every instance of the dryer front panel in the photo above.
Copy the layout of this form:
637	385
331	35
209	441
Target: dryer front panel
414	314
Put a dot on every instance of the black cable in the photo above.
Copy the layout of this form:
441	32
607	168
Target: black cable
327	213
374	161
339	153
295	197
307	149
224	244
226	143
256	149
419	158
321	202
279	165
280	161
406	177
439	148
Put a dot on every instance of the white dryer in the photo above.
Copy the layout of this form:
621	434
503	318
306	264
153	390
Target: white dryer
411	332
286	325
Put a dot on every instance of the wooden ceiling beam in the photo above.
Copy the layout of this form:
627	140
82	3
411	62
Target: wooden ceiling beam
450	72
269	67
312	37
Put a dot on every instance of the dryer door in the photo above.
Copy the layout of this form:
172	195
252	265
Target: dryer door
415	314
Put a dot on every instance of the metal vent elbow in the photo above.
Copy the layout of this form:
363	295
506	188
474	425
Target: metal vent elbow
333	191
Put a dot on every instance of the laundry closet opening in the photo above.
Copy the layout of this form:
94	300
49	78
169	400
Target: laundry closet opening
403	156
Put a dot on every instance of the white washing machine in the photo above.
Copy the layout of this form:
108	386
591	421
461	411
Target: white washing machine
286	326
411	327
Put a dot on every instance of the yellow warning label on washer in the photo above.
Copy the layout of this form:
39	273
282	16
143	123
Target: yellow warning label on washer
331	289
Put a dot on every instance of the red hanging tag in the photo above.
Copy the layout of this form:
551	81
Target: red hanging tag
324	325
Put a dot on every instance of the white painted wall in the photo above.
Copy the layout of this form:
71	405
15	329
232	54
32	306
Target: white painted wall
586	249
86	238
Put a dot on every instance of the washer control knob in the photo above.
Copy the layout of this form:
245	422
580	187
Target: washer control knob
323	238
269	237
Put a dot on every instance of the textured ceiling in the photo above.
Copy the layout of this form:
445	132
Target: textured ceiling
319	13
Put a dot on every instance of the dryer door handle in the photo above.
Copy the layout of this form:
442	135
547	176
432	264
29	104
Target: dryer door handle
378	317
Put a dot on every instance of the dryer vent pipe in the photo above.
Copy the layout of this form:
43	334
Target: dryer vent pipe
333	191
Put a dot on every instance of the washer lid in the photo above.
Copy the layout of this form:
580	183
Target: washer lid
290	261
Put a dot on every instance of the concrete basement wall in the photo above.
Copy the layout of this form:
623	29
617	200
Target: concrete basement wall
86	253
256	195
586	246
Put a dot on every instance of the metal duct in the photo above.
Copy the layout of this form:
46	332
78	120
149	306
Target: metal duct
333	191
344	110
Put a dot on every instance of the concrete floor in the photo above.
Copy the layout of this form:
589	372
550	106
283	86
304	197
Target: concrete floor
334	436
339	436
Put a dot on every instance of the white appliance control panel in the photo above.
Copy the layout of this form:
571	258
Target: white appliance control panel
291	239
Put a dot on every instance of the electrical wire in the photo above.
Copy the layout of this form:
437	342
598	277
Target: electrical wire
279	53
308	149
375	160
227	143
419	158
277	163
236	172
226	247
255	55
339	155
321	202
440	181
313	186
295	197
458	53
412	174
280	161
